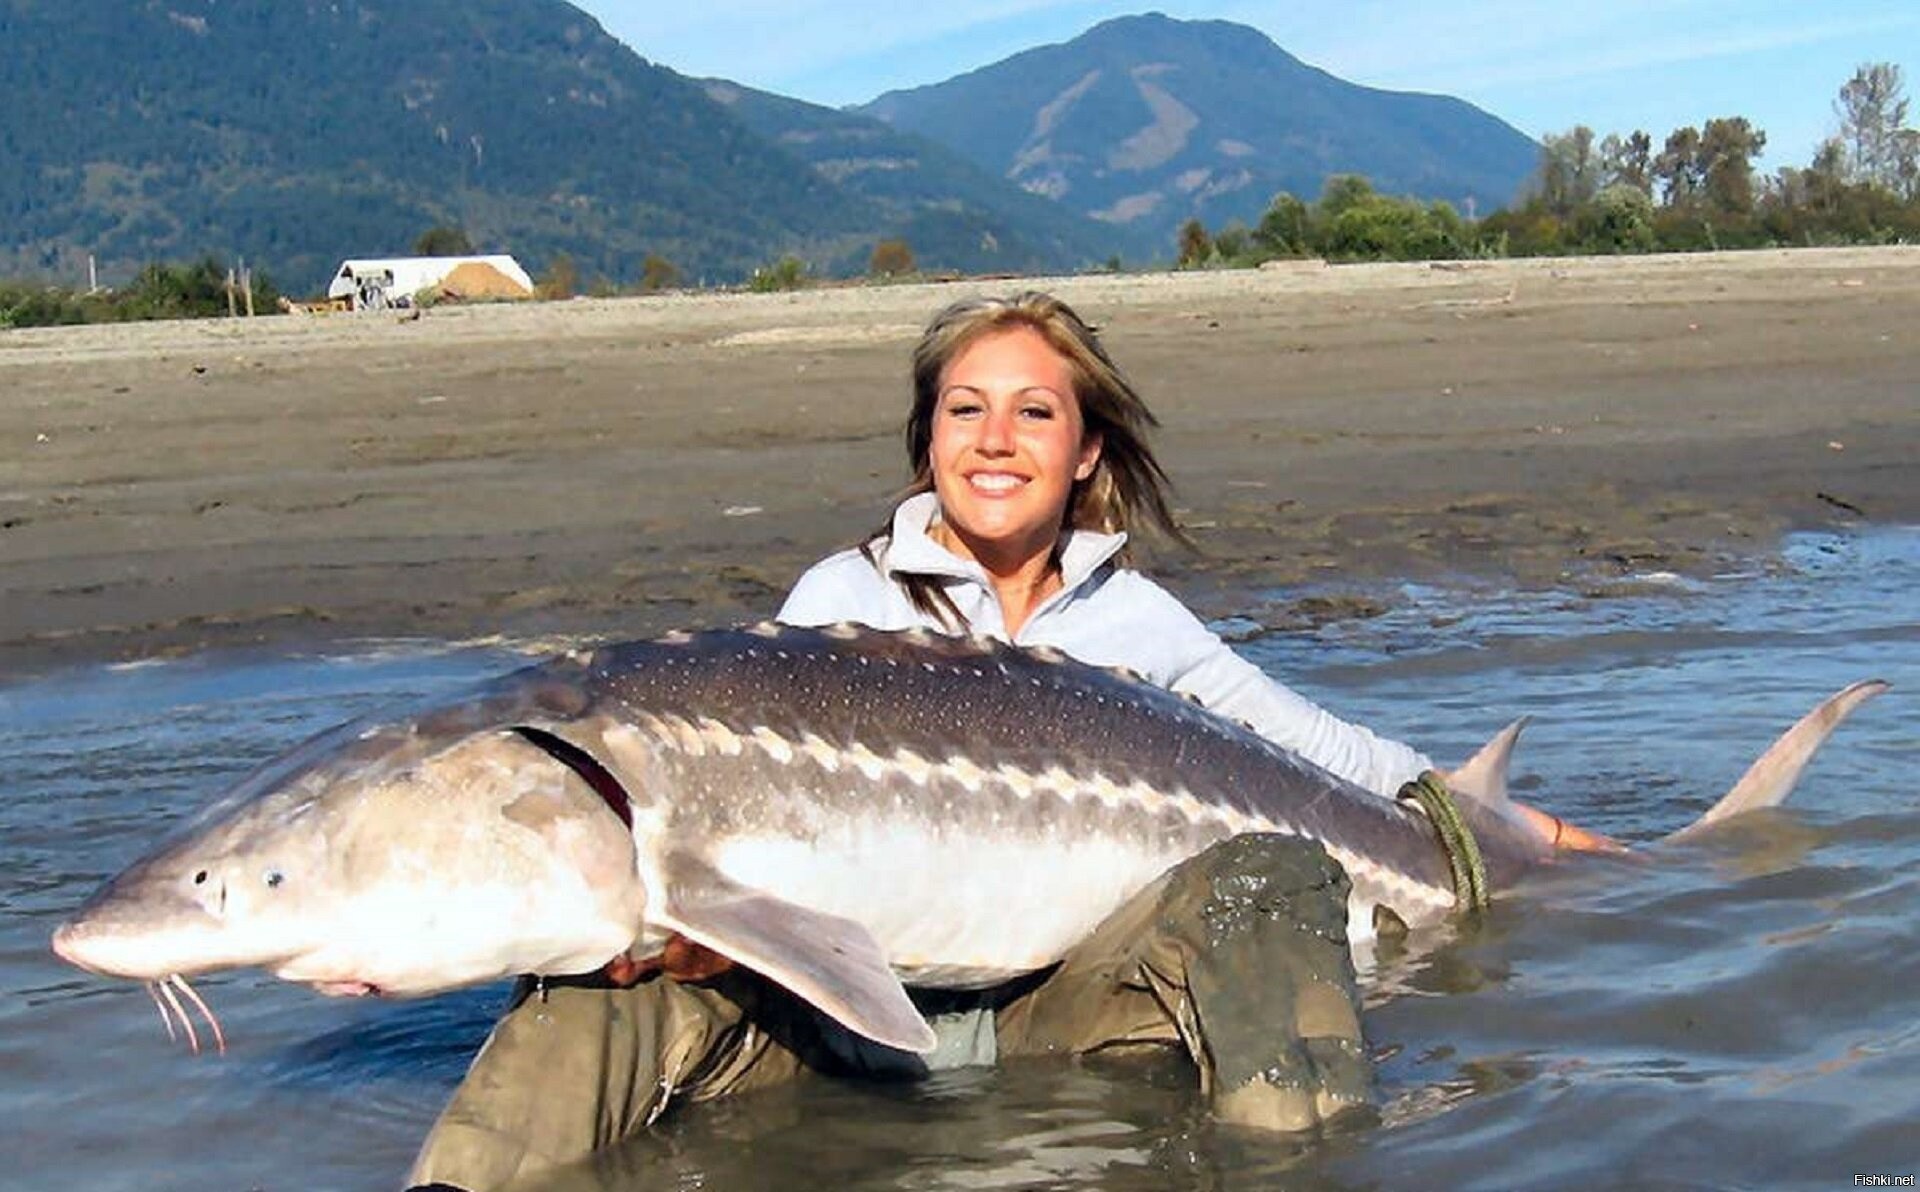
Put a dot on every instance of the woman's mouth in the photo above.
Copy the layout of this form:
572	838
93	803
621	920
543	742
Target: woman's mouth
996	482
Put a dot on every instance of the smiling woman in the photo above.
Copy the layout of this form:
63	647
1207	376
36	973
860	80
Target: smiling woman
1025	429
1008	446
1031	465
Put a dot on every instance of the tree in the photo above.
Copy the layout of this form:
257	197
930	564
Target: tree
443	240
657	273
1230	242
1906	164
1872	108
1620	219
198	289
162	291
1725	163
1195	245
1677	168
1342	191
1627	162
891	258
562	279
1827	176
1284	230
1569	172
1386	229
1447	235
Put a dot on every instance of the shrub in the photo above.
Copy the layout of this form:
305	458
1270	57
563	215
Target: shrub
787	273
1195	245
657	273
891	258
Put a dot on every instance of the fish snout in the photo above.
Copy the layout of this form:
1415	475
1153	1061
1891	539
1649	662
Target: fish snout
81	944
135	935
69	944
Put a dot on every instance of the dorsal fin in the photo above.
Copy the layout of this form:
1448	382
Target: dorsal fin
1483	777
1769	781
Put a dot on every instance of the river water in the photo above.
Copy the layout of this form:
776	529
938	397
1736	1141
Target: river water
1741	1013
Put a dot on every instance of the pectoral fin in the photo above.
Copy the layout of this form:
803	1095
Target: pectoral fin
833	963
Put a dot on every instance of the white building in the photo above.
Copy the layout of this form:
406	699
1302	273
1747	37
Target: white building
375	284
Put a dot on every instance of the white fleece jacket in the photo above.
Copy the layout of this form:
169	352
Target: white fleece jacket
1103	614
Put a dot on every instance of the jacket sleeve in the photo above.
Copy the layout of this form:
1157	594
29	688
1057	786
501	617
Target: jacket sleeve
1230	686
1203	666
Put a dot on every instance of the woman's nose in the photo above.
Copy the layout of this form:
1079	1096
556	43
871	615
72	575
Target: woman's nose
996	433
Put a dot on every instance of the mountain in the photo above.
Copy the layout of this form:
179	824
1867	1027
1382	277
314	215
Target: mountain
300	132
1143	122
297	133
954	214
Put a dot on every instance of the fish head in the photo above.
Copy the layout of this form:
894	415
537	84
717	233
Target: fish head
395	861
207	901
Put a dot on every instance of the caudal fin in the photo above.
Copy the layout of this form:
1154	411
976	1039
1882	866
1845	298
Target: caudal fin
1769	781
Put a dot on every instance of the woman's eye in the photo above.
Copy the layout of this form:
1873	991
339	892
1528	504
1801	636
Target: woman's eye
1037	413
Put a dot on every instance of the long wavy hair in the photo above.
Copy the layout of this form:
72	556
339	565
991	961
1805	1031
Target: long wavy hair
1127	491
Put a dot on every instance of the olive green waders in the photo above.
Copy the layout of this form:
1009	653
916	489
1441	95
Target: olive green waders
1238	955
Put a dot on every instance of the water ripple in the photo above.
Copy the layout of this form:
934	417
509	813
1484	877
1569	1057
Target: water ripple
1735	1013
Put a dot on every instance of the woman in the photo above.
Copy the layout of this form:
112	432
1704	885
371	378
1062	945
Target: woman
1031	467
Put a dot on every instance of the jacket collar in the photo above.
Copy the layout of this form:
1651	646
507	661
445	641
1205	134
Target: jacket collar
912	550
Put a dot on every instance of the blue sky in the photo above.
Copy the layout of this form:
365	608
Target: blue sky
1541	65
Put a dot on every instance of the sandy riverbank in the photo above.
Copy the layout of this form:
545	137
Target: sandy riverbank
624	466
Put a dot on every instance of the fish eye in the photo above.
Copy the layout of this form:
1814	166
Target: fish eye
200	879
273	878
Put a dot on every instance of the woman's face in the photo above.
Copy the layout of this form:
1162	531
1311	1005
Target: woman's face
1008	443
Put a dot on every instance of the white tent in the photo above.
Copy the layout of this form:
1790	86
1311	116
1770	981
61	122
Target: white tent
385	281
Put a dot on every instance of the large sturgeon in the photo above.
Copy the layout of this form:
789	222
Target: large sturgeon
842	810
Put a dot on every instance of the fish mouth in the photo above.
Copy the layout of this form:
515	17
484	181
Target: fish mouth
346	989
172	994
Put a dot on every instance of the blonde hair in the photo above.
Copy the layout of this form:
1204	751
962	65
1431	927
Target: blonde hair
1127	491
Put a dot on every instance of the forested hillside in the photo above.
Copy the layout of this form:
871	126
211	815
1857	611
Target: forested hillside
296	133
299	132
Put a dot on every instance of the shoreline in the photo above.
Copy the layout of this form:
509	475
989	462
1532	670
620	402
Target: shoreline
620	467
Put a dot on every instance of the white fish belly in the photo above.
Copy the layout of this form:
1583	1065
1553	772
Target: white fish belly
951	912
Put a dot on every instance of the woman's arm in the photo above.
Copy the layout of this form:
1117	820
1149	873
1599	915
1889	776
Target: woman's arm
1191	659
1231	686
